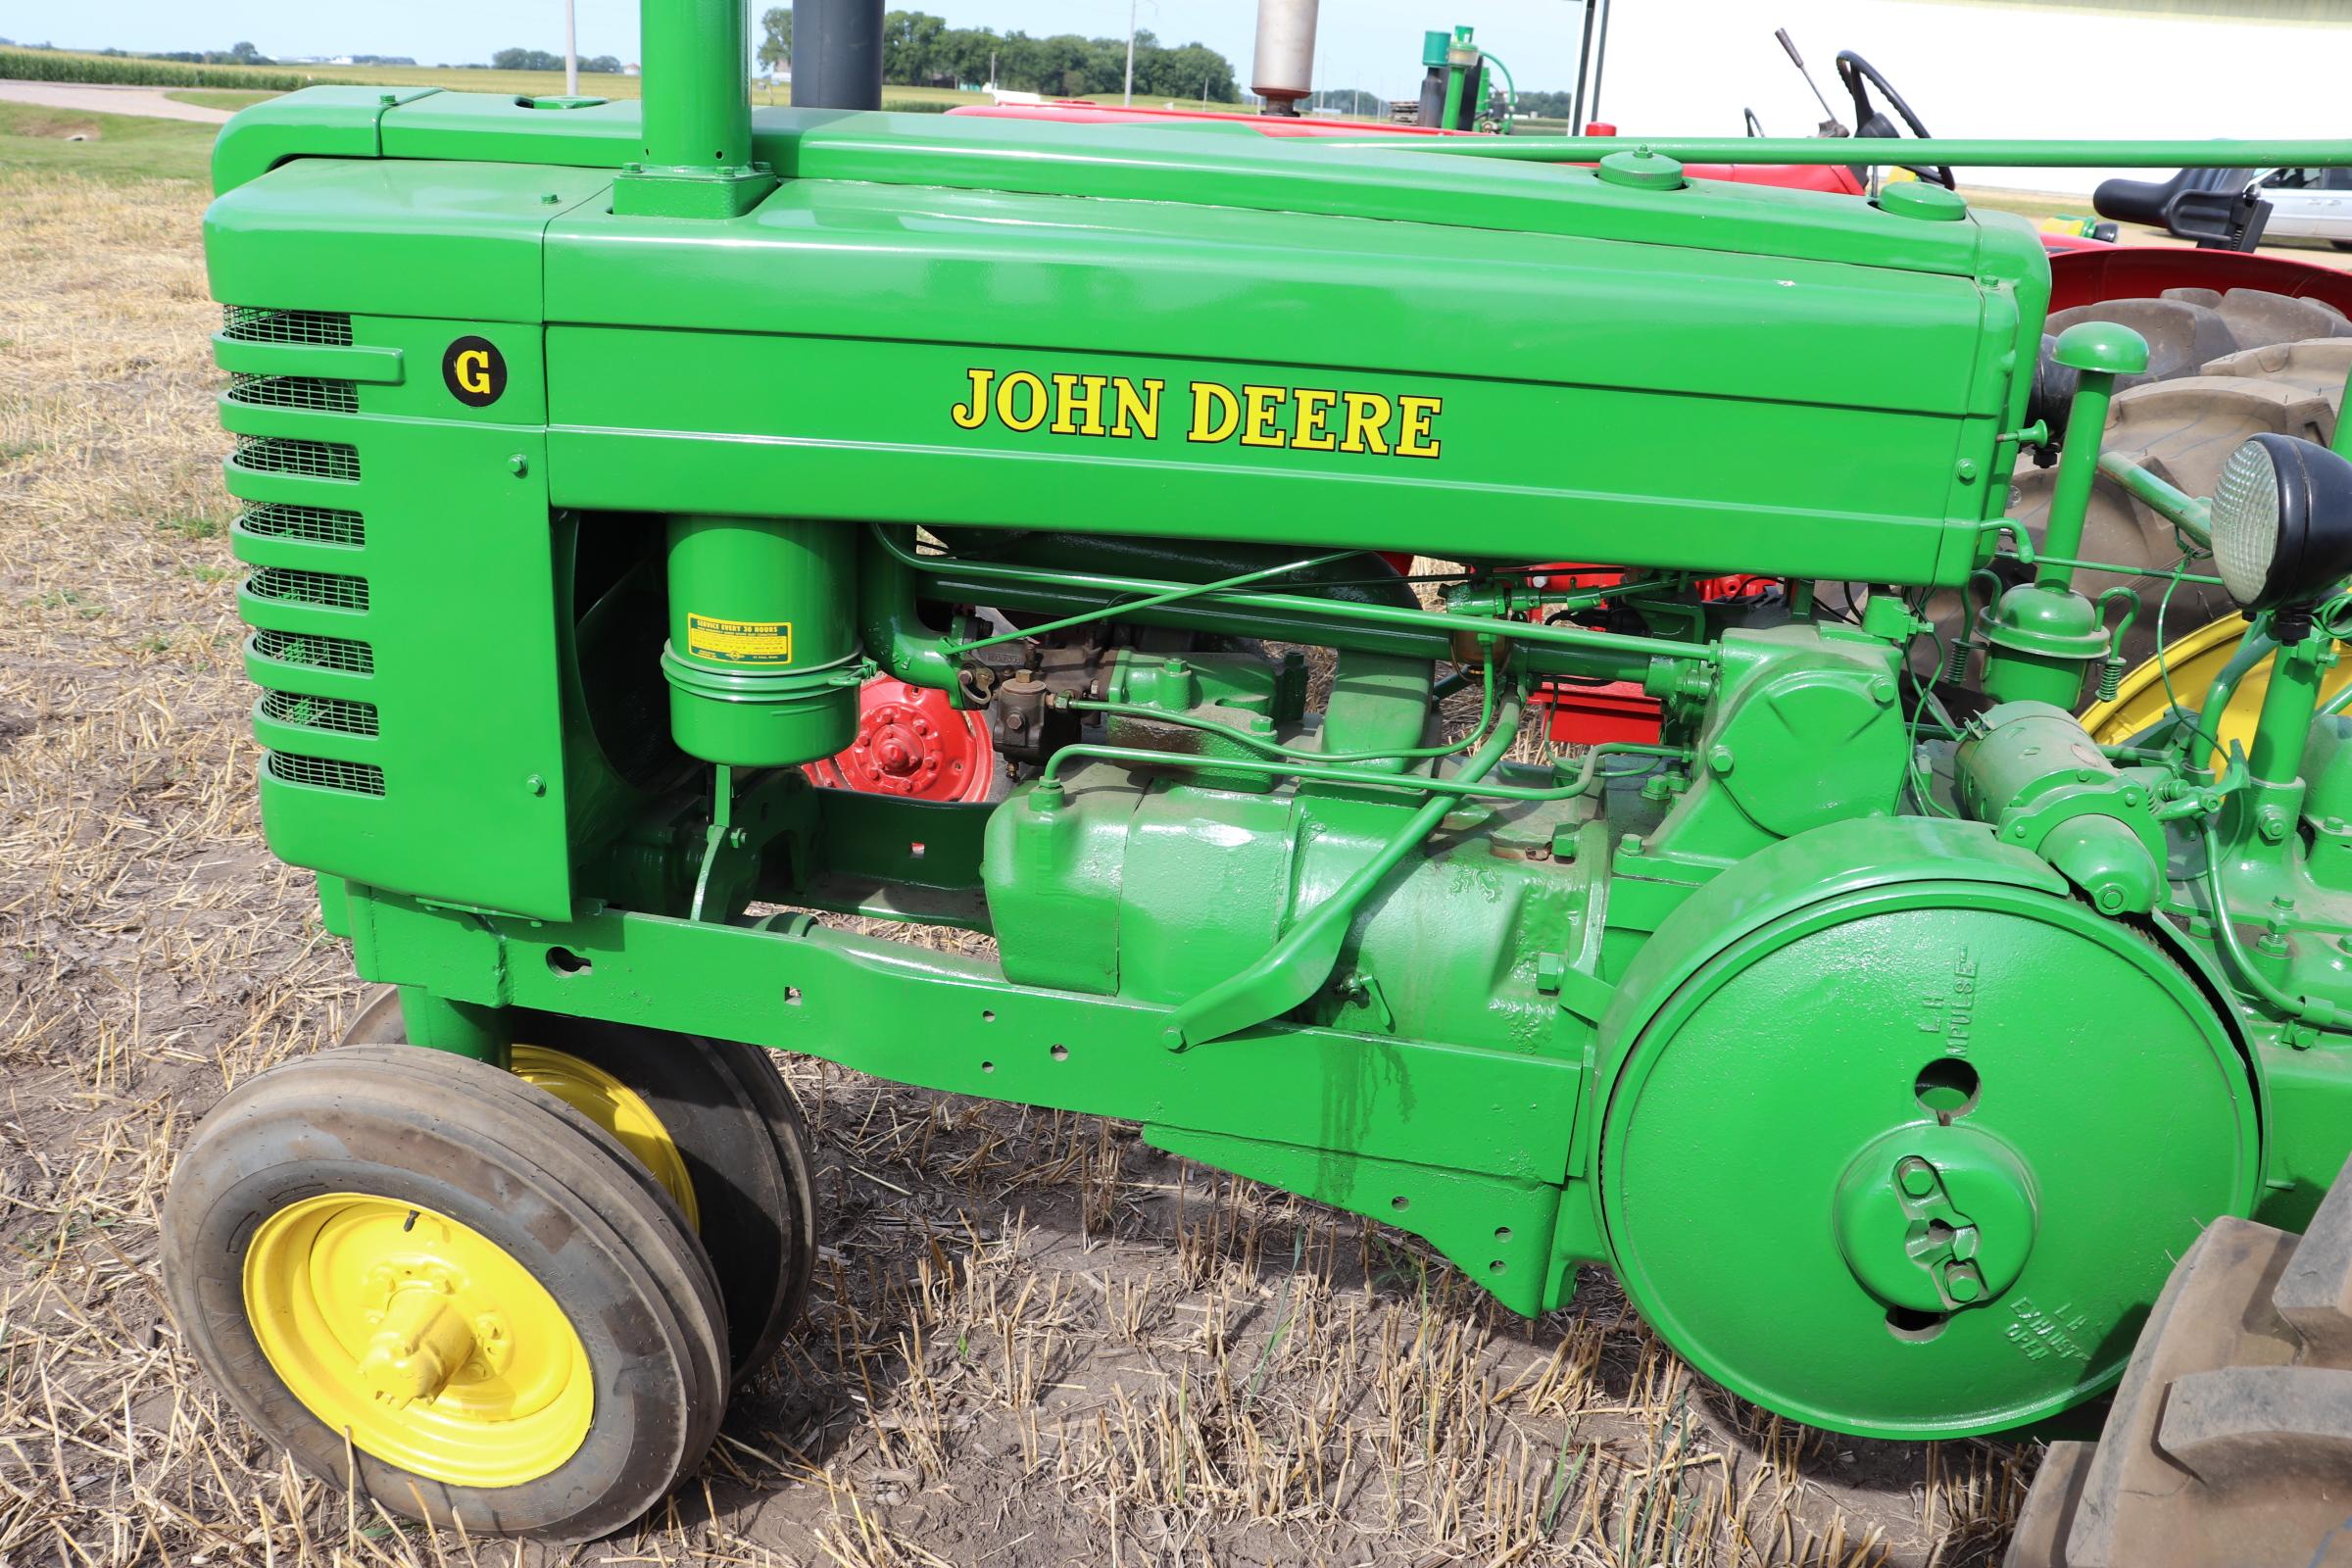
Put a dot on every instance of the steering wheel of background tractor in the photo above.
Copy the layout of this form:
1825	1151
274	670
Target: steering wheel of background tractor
1859	76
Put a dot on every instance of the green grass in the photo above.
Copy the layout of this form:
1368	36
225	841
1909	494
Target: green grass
220	98
121	147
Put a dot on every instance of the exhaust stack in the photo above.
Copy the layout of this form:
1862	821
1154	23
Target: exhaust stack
1283	68
837	54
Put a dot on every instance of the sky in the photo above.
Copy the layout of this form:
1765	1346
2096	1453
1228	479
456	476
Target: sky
1675	66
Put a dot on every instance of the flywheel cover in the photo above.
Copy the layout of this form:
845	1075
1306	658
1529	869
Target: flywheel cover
1913	1161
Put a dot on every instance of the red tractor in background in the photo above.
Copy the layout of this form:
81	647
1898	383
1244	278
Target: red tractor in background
2242	342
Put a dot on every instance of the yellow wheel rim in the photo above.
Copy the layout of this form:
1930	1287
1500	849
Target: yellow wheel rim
421	1338
615	1108
2139	703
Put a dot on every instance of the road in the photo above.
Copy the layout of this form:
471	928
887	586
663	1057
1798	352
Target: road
104	99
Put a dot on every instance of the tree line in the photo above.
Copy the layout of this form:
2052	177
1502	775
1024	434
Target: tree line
542	60
919	50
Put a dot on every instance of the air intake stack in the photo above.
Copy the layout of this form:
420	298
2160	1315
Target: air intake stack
697	126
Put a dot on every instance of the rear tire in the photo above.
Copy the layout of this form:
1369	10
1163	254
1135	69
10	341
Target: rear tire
588	1372
2230	1439
2222	367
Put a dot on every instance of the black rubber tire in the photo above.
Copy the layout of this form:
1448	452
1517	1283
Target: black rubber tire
2221	368
541	1181
2230	1440
743	1139
746	1149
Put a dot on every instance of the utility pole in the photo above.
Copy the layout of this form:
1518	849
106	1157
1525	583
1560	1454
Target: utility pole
571	48
1127	93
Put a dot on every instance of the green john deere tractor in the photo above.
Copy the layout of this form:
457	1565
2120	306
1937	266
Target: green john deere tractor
1886	1033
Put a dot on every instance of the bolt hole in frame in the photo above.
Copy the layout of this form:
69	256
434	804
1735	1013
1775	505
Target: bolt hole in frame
565	961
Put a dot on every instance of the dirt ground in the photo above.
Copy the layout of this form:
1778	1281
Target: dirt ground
1034	1342
108	98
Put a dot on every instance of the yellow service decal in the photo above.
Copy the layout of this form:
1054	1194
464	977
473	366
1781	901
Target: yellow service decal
1304	419
739	641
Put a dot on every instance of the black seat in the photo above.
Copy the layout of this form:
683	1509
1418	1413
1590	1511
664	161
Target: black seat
2150	201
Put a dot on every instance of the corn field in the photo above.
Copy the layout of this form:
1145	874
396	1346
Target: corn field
54	64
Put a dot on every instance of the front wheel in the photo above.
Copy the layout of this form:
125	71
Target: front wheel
418	1268
710	1120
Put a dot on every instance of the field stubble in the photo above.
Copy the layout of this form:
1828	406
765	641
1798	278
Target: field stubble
1034	1340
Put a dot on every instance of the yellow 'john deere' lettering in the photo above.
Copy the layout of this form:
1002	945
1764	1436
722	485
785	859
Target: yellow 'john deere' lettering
1120	408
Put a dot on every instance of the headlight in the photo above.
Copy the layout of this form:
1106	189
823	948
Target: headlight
2282	523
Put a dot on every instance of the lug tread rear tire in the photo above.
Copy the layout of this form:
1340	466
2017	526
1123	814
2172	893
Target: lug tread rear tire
2222	367
2231	1437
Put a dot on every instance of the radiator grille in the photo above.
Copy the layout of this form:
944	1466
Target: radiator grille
327	774
322	525
294	586
248	323
336	714
341	654
294	392
312	460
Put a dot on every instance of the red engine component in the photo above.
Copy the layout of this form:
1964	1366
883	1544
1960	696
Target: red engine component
1577	715
913	742
1595	716
1620	711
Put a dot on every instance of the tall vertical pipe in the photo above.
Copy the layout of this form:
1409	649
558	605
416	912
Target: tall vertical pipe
837	54
1600	61
1282	71
2097	352
697	104
1577	117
